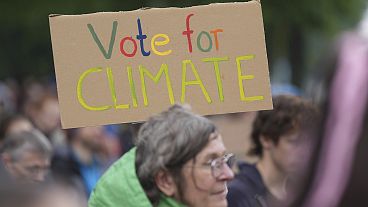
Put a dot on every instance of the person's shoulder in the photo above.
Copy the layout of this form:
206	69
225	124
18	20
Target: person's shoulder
238	196
248	177
62	163
246	185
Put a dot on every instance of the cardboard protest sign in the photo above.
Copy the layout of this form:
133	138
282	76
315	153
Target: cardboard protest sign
115	67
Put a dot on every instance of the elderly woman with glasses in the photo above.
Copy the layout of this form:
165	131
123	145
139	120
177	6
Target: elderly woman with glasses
179	160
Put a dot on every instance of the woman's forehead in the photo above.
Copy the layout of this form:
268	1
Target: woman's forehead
215	147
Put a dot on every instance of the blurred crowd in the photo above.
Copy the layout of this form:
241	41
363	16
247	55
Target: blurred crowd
34	148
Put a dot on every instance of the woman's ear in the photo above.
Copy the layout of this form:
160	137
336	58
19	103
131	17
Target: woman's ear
165	182
266	142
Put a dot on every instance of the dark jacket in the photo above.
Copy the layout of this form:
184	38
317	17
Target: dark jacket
247	188
5	178
65	165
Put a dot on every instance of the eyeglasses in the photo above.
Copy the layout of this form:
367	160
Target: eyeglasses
217	165
33	170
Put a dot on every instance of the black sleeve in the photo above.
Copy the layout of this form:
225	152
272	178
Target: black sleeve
236	197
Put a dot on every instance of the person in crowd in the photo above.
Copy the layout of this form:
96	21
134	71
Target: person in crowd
26	156
282	139
60	193
179	160
119	139
45	115
8	98
81	159
56	193
13	123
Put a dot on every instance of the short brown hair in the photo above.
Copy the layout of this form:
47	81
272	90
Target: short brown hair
289	113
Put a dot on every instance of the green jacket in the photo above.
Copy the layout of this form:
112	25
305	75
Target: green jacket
120	187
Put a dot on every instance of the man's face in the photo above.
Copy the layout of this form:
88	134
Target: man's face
29	167
291	154
201	188
48	118
92	137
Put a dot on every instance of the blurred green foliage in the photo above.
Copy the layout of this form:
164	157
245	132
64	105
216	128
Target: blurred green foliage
25	48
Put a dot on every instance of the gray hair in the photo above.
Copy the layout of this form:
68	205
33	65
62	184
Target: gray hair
34	141
166	142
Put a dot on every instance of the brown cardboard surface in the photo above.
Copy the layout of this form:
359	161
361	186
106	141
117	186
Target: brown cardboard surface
236	133
98	87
